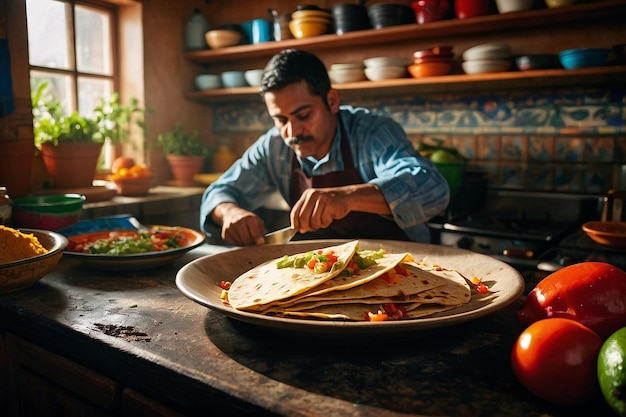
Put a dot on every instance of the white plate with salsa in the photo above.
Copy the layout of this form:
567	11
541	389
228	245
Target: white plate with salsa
149	246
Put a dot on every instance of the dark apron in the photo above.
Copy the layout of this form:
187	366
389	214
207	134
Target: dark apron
356	224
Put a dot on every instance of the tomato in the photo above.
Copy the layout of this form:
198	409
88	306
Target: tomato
592	293
556	359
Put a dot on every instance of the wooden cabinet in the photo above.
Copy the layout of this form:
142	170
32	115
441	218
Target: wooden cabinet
545	30
38	383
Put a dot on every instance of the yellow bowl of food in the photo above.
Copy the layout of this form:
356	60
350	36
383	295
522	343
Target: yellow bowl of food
27	255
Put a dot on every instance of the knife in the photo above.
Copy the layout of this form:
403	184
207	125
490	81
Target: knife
281	235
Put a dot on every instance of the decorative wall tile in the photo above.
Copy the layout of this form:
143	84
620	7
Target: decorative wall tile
569	149
513	148
565	141
540	148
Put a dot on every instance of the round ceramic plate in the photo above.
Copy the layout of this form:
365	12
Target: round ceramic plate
134	261
199	280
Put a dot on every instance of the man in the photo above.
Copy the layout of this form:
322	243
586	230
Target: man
345	172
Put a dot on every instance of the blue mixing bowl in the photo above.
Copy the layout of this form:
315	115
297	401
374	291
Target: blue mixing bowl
583	57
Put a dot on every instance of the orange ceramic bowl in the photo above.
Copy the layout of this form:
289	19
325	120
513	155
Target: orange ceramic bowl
133	186
607	233
308	28
430	68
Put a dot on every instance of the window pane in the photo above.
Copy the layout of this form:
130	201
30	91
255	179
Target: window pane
93	41
59	88
91	91
48	36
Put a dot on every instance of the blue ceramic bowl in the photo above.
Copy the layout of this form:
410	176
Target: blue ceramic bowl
583	57
232	79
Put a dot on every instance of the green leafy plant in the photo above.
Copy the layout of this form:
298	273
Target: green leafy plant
178	141
110	120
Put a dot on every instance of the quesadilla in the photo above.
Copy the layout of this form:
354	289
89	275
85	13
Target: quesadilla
268	283
351	285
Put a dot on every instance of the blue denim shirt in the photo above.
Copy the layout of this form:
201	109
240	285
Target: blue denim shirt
412	186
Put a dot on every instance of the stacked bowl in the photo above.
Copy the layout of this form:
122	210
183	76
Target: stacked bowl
583	57
487	58
434	61
390	14
310	22
346	73
386	68
349	17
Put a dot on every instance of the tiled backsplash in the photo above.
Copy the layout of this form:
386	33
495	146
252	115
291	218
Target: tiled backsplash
566	141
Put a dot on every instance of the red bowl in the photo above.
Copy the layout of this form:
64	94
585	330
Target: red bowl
430	10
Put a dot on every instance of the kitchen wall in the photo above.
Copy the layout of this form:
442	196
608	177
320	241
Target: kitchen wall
545	139
570	141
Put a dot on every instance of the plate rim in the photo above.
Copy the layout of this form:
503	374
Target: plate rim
346	328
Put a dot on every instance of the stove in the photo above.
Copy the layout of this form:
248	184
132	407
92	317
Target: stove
524	230
523	243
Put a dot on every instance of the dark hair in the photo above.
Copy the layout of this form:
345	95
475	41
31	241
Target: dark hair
291	66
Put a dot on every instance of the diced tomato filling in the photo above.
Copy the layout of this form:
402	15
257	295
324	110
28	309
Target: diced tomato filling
391	277
322	262
389	311
480	285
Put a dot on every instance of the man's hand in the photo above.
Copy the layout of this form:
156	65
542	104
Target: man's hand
239	226
318	207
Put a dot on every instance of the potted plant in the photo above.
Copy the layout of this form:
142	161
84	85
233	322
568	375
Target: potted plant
185	153
71	144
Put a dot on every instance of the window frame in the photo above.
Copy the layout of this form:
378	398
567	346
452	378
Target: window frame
73	72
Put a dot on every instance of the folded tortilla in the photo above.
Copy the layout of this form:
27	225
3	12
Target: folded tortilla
267	283
298	292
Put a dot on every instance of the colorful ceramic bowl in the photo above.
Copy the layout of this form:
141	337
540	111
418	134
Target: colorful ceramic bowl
48	212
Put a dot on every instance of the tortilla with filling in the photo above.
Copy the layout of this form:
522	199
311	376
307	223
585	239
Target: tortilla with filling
340	283
423	284
435	287
267	283
358	311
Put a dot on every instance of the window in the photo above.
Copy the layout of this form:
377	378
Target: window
71	48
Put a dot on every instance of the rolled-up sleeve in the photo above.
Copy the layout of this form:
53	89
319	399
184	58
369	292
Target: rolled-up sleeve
414	189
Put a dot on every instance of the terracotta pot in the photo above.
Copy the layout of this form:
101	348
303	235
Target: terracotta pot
185	167
16	162
71	164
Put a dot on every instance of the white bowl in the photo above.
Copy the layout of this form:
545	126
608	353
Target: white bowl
488	51
346	66
208	81
253	77
385	73
485	66
386	61
348	75
231	79
507	6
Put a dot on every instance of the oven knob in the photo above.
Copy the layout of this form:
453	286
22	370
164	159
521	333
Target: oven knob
465	242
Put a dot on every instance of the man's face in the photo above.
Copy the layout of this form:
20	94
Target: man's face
299	114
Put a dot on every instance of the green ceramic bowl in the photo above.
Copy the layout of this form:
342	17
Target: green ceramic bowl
48	212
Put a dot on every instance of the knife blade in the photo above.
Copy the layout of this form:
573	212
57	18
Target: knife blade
283	235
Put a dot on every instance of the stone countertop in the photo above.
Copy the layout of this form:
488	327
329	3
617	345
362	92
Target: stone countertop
140	330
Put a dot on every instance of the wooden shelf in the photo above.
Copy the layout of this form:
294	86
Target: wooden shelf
484	24
609	75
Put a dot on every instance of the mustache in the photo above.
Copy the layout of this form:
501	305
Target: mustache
297	140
